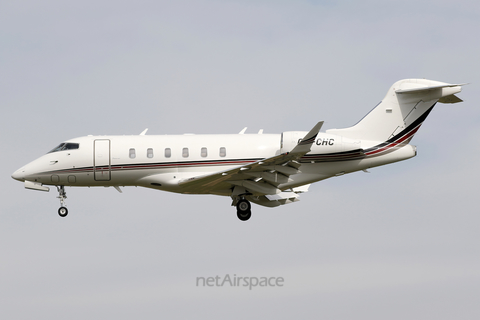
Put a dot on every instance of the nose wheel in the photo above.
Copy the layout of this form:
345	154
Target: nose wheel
244	211
62	212
62	195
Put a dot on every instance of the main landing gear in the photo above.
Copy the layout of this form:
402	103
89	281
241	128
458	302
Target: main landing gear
62	195
244	211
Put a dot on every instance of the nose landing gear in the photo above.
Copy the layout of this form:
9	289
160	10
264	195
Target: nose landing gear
62	195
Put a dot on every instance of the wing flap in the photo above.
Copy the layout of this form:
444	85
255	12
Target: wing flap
274	178
282	196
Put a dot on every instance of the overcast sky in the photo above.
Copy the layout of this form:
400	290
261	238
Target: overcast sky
401	242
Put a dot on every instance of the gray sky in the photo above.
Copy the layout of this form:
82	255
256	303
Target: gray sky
399	243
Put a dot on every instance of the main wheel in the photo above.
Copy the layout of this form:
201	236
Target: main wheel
243	205
62	212
244	216
244	210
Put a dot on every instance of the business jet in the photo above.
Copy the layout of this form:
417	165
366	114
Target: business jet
266	169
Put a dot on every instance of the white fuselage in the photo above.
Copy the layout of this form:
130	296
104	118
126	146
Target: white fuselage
160	162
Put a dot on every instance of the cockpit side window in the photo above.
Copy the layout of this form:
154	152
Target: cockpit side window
65	146
57	148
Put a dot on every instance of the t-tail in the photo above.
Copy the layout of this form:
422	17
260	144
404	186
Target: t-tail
401	113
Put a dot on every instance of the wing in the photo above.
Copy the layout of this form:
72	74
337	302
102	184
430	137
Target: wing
257	179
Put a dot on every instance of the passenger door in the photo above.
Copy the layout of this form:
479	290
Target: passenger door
101	160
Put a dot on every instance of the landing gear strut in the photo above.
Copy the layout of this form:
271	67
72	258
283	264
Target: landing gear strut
62	195
244	210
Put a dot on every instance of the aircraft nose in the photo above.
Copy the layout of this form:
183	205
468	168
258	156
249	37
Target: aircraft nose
19	174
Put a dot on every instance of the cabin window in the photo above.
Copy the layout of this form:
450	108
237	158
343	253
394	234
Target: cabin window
223	152
185	152
204	152
168	152
149	153
131	153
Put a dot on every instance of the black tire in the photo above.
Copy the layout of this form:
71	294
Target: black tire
244	210
243	206
62	212
244	216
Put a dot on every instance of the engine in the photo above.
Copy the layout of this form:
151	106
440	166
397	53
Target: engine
324	143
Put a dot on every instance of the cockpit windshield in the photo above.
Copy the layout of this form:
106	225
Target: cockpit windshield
65	146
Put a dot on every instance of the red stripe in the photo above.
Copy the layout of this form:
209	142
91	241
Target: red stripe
396	143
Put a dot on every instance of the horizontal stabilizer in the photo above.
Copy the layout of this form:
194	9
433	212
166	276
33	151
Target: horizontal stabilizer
450	99
427	88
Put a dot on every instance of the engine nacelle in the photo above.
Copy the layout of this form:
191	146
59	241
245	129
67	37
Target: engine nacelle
324	143
290	139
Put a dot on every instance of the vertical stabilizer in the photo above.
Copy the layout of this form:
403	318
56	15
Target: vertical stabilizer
407	104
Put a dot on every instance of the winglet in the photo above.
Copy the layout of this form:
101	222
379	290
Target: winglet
143	132
305	145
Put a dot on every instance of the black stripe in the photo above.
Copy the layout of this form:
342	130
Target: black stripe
402	133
